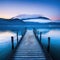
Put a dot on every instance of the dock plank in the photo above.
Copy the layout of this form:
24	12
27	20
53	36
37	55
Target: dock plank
30	49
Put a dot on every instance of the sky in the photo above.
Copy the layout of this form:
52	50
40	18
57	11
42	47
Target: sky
47	8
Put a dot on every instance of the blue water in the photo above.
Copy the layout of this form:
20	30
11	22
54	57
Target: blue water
5	41
54	34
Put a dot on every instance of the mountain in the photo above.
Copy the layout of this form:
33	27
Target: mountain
11	22
30	20
27	17
33	18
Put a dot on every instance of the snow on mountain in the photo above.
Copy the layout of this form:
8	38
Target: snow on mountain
37	20
33	18
25	16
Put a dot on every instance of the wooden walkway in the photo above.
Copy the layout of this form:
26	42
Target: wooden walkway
30	49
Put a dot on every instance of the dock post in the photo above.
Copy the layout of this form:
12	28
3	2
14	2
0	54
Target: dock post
12	41
48	48
40	36
17	37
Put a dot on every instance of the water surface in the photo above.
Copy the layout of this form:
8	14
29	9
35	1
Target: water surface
54	34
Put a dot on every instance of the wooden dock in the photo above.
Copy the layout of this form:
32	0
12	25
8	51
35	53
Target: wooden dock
30	49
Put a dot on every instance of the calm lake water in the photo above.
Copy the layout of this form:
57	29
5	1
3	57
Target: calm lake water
54	34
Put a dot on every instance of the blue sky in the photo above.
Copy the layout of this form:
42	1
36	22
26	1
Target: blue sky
48	8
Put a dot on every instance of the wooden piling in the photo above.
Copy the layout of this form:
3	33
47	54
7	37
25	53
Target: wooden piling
48	48
17	37
40	36
12	41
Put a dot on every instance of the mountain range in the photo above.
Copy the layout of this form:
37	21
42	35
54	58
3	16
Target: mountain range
29	20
